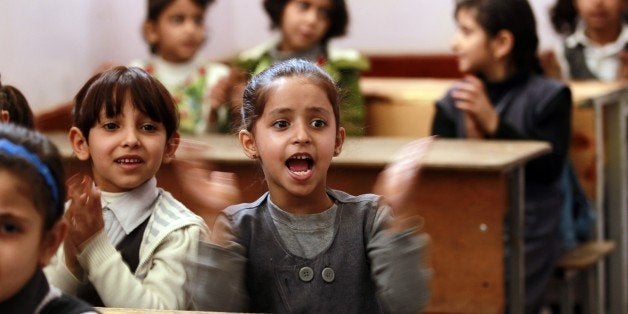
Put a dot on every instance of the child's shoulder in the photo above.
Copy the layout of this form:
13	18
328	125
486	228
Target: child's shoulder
344	58
172	214
249	60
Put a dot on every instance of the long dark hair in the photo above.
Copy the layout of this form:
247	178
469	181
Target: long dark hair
515	16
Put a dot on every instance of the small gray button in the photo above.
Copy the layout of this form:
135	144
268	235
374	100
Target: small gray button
306	274
328	274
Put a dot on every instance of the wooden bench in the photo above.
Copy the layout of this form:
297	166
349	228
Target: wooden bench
582	258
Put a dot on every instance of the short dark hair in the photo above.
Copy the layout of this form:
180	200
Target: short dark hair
256	92
154	9
515	16
338	17
50	206
111	88
14	102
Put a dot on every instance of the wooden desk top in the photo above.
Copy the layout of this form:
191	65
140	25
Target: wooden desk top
378	151
417	91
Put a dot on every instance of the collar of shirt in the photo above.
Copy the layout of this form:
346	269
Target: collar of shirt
578	37
131	208
175	74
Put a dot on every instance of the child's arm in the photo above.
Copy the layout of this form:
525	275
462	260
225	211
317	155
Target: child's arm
217	280
397	247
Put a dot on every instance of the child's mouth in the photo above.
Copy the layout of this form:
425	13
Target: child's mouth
300	164
128	161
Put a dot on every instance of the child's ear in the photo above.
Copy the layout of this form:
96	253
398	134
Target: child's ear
51	241
4	116
248	144
150	32
79	144
341	135
502	44
171	148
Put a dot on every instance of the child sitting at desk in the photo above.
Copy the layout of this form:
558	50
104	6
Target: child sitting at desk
14	108
596	42
504	96
306	27
303	247
129	241
31	224
175	31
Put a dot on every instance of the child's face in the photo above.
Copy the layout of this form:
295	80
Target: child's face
125	150
304	23
471	43
179	32
295	139
600	14
22	249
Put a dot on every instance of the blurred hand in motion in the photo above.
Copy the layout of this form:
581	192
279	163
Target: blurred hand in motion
397	184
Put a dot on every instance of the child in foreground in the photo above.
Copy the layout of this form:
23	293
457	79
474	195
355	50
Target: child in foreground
31	224
303	247
129	241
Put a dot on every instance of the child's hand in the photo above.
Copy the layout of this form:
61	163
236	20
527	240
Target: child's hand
207	192
84	217
471	98
397	184
222	91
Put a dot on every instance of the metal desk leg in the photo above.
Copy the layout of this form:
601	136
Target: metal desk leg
516	199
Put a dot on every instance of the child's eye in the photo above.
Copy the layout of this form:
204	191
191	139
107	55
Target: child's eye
302	5
110	126
324	13
9	228
281	124
149	127
318	123
199	20
177	19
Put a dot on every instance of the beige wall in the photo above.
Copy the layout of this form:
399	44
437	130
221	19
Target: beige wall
49	48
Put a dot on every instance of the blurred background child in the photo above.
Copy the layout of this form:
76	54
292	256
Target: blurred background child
305	29
31	225
129	240
303	247
175	32
595	45
505	96
14	107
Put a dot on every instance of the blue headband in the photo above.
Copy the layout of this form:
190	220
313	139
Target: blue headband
18	150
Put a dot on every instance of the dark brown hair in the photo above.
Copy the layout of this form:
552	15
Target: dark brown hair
338	17
110	89
48	205
14	102
258	88
515	16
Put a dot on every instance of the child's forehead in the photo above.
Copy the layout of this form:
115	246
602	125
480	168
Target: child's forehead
16	196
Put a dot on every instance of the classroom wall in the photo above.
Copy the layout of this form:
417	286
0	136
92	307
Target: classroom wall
49	48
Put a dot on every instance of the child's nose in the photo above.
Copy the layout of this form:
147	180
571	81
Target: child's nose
302	133
131	139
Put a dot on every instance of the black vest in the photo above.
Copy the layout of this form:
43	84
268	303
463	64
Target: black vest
578	69
129	248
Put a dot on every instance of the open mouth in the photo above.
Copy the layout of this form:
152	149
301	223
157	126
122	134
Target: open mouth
300	163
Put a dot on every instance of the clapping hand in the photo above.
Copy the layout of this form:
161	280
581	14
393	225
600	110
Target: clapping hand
84	217
472	99
397	184
207	192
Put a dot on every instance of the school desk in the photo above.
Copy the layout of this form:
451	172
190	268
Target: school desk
467	190
599	152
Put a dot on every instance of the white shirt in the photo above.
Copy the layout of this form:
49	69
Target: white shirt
123	212
603	61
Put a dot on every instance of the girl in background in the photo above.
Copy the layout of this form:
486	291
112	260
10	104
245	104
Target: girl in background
175	32
595	45
306	27
505	96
